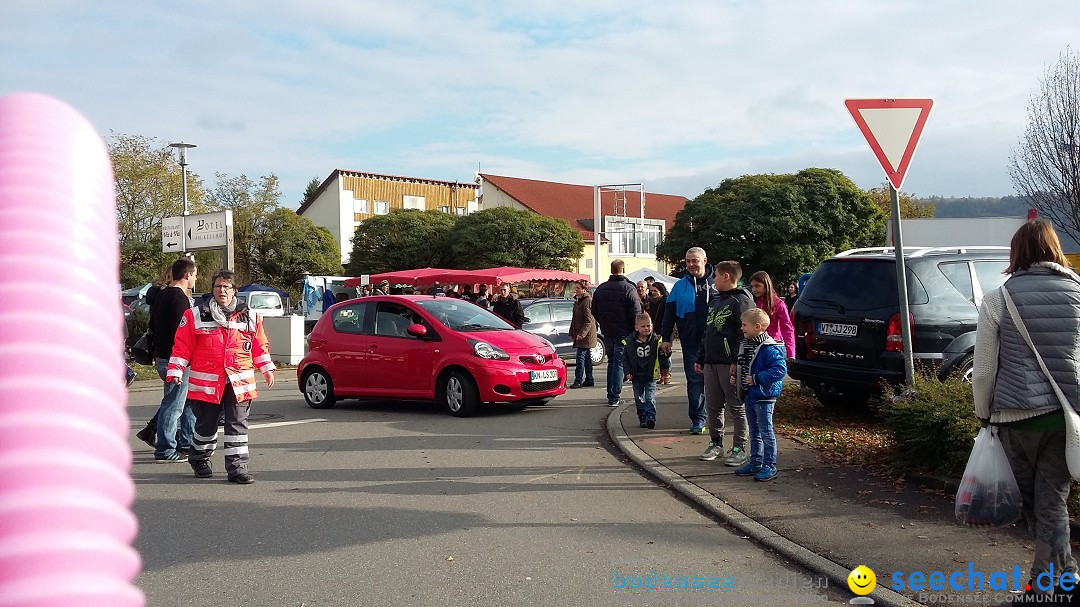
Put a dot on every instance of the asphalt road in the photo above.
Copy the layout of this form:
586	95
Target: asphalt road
400	504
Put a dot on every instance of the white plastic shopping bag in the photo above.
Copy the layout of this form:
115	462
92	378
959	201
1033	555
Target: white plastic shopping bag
988	494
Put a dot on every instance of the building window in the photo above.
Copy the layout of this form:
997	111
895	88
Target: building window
460	211
634	236
360	206
382	207
444	209
588	264
413	202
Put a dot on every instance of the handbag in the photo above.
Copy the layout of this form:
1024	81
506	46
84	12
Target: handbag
989	495
1072	418
143	350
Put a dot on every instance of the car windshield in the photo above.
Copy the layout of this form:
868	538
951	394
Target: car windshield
264	301
463	316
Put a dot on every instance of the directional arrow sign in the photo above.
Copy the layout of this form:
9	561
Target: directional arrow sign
172	235
892	127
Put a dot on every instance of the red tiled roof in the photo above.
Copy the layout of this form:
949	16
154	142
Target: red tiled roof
574	203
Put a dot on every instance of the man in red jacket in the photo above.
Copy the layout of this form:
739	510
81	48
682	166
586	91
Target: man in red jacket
223	342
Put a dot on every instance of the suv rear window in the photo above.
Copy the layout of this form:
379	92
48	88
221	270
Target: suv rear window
859	284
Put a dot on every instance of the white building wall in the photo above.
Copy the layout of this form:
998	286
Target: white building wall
332	209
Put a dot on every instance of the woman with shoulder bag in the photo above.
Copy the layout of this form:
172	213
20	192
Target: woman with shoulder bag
1025	372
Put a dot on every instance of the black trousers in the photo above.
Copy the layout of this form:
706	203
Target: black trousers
204	442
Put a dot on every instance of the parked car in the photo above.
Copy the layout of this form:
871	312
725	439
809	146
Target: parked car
265	303
847	318
550	319
419	347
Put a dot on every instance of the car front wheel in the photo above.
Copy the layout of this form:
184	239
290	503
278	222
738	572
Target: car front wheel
458	393
318	389
597	353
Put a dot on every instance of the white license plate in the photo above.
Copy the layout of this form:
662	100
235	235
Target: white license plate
832	328
545	375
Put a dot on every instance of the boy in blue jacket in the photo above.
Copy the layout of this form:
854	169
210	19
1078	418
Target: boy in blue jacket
759	376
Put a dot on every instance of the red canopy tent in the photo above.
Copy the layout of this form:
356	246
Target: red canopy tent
489	276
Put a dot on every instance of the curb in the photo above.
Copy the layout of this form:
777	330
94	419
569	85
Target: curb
757	532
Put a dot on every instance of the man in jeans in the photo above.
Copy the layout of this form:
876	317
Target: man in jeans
615	305
165	316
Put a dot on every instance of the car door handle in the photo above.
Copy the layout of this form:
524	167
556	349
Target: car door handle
373	347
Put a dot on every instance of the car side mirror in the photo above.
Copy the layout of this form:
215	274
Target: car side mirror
527	319
417	330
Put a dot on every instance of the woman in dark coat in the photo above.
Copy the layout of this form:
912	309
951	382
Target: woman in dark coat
657	300
583	331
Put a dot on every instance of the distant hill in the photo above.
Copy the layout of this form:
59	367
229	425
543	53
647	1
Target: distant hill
1003	206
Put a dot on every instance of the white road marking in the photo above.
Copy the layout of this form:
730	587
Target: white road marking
277	424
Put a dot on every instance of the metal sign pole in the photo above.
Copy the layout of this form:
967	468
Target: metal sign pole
901	287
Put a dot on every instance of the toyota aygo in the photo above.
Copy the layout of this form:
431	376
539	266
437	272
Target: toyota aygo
420	347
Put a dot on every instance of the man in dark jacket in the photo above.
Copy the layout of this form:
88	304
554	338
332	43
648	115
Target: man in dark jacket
583	332
688	308
715	360
165	315
615	305
509	308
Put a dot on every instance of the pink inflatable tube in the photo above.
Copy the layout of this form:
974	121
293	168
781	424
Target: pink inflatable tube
65	492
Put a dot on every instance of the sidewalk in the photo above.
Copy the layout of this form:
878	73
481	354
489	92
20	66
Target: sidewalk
827	518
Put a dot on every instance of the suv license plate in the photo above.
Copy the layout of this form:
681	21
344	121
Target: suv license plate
545	375
832	328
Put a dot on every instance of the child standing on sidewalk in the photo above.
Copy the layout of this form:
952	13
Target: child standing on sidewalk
641	359
759	377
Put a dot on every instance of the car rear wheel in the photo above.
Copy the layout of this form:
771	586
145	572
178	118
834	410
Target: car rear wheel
597	353
963	369
318	389
458	392
842	398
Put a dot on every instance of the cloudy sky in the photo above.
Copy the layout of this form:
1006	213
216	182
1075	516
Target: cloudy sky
679	95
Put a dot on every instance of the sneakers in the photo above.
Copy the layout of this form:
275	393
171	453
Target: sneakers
615	404
574	386
747	469
643	424
714	451
148	435
202	468
650	424
587	384
697	430
767	473
242	478
171	458
737	457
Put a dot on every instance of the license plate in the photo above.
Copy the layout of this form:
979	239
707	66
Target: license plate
837	329
545	375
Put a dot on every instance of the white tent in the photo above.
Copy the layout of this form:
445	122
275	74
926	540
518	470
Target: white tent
643	273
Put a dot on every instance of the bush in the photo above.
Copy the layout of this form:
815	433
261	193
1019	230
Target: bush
934	427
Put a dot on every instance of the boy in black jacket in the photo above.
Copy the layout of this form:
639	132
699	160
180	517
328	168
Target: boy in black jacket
716	358
641	360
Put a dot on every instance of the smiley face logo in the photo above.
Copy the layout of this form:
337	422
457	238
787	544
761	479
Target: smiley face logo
862	580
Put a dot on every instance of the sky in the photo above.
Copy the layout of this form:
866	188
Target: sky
676	95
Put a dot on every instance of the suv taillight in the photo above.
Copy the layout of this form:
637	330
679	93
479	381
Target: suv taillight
806	332
894	339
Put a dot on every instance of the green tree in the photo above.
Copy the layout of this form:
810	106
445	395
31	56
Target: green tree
910	206
401	240
149	186
503	236
309	191
292	246
1046	166
251	204
784	224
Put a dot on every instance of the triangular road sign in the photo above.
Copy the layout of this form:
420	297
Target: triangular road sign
892	127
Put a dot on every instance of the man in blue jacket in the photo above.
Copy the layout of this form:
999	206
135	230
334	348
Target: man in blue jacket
688	308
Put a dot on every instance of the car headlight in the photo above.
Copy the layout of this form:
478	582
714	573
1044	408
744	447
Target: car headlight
485	350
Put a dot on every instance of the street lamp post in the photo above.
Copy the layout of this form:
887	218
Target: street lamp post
183	147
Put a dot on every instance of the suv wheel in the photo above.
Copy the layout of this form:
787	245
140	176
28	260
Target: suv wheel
838	399
963	369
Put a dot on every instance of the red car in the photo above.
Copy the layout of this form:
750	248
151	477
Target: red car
423	347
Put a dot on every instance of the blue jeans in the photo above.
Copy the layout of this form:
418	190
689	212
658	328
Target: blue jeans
583	366
174	411
645	398
614	368
695	390
762	436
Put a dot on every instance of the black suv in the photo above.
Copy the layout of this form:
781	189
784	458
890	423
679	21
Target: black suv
847	318
550	319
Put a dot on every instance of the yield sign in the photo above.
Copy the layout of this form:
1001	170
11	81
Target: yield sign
892	127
